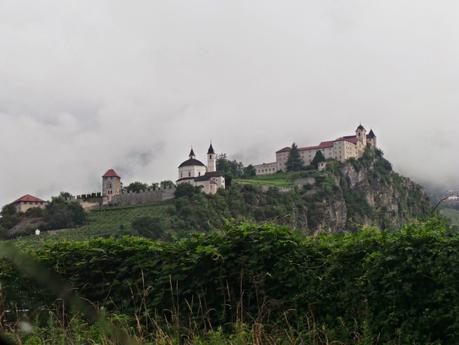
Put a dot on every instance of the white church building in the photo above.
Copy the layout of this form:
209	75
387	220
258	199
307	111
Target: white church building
197	174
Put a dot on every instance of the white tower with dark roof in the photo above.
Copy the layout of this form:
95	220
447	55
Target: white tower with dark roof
371	139
361	134
211	159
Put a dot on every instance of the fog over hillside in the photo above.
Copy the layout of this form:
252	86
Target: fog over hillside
90	85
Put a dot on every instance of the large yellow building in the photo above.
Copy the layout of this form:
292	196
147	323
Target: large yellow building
341	149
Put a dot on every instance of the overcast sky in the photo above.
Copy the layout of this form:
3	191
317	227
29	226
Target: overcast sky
87	85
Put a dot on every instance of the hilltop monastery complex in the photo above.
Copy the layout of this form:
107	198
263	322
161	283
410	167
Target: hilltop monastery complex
194	172
341	149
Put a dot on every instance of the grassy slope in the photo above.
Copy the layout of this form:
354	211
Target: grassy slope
106	222
451	214
277	180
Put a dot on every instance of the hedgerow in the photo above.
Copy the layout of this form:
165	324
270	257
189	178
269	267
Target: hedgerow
394	287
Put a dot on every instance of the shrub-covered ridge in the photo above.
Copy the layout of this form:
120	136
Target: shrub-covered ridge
396	287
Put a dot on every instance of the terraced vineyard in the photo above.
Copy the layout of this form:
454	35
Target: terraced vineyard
114	221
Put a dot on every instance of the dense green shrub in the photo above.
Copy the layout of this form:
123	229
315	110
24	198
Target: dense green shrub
9	216
150	227
186	190
63	213
399	287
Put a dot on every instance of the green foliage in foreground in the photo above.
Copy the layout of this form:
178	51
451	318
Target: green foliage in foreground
396	288
117	329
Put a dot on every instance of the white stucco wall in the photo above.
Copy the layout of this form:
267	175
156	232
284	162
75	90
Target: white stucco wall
191	171
211	162
23	207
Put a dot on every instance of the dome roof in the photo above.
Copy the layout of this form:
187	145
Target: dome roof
191	162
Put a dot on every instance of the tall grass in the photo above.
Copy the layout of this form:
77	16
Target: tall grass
53	327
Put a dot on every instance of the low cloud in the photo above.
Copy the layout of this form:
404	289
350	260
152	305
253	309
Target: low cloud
87	86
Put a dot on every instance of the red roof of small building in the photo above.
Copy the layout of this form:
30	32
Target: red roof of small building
111	173
28	198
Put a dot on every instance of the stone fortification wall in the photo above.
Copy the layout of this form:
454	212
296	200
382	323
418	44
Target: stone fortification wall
143	197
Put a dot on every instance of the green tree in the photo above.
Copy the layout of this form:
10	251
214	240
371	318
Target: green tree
150	227
136	187
229	168
186	190
34	212
319	157
62	213
294	161
66	195
10	217
249	171
167	184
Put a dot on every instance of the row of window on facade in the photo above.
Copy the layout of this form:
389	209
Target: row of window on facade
267	170
189	174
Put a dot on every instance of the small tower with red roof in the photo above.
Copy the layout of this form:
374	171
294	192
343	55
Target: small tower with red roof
111	185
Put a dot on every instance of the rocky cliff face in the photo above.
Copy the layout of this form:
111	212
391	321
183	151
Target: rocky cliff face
363	192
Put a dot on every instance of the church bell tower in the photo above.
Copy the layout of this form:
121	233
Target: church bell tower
211	159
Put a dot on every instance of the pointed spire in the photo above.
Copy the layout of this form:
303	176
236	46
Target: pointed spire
192	155
371	134
211	149
360	128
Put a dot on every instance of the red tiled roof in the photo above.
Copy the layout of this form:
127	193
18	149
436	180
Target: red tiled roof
285	149
324	144
111	173
28	198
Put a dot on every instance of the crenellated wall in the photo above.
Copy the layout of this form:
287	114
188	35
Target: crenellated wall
143	197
